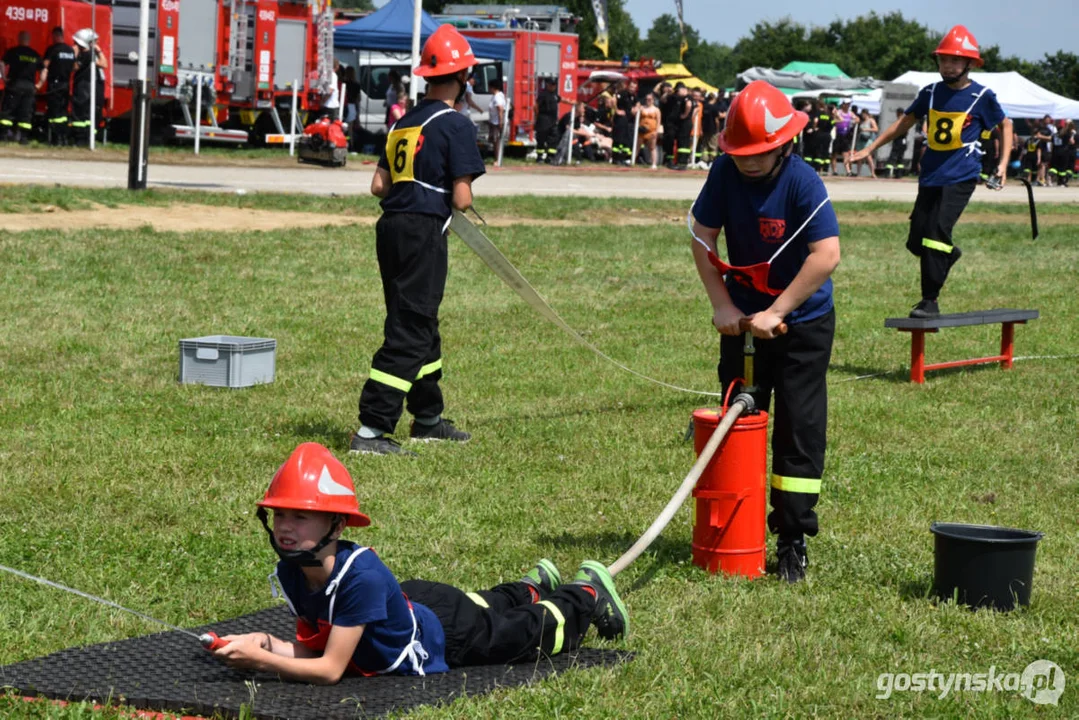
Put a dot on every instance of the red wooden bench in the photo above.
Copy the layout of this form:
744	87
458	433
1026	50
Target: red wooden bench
918	327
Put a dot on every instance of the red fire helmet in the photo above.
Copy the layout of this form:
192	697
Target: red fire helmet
961	43
445	53
760	119
313	479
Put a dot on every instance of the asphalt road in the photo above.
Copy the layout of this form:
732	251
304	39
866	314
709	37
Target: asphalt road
589	182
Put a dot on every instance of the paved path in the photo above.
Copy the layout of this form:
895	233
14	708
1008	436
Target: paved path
664	184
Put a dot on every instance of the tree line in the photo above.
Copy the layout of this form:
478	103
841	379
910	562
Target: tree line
879	46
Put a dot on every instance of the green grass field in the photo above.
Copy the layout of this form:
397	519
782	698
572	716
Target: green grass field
117	480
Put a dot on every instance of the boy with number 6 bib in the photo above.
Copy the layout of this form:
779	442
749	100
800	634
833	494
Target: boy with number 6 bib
425	173
958	110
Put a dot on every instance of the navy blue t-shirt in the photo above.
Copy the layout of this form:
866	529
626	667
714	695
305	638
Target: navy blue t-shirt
423	160
368	595
956	120
757	218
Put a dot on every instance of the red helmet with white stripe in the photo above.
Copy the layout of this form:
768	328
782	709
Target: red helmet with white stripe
961	43
761	119
445	53
313	479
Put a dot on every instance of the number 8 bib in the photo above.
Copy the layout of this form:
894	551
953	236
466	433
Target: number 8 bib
946	129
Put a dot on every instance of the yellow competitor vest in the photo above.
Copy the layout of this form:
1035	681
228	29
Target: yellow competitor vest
946	128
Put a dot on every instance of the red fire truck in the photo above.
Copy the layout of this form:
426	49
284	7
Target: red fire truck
536	55
39	17
245	54
542	48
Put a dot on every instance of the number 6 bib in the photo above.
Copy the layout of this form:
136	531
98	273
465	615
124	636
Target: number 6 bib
401	148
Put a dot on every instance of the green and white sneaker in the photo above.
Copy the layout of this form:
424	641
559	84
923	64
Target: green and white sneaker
610	616
544	577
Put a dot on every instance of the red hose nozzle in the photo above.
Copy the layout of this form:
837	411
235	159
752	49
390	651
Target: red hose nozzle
212	642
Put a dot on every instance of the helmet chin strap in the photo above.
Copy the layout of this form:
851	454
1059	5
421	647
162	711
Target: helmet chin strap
303	558
950	81
787	149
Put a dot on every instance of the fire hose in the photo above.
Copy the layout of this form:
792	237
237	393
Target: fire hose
743	404
504	269
208	640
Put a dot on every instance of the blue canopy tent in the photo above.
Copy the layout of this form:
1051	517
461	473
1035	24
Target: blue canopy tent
390	29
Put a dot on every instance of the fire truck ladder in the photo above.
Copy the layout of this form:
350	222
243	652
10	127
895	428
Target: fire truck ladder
323	18
237	38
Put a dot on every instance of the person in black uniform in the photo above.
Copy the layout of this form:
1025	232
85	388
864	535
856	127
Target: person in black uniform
684	111
20	66
546	120
621	133
90	64
825	121
667	102
56	80
989	141
425	173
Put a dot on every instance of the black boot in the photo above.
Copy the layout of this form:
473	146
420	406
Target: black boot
925	309
792	558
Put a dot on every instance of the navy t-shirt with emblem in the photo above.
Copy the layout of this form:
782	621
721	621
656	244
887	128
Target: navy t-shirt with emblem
757	218
955	122
424	160
368	595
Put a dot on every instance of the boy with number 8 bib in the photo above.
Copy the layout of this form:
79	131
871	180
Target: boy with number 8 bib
425	173
958	110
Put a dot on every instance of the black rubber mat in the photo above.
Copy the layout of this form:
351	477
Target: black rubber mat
171	672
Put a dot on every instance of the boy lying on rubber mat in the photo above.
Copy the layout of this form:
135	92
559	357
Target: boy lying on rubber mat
352	616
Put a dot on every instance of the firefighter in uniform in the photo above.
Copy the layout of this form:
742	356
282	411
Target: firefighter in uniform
424	173
621	132
20	66
763	198
90	65
546	122
958	110
685	110
56	81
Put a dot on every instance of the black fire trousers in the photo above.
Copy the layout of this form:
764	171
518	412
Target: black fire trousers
503	625
794	366
936	211
18	109
412	260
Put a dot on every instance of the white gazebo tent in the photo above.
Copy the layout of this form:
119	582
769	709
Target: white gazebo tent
1019	97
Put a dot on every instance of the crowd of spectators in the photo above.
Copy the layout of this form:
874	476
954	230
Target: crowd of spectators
679	127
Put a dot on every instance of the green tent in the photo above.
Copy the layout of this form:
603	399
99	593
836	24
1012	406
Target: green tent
824	69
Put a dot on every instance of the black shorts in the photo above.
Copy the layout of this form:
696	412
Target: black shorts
936	211
841	144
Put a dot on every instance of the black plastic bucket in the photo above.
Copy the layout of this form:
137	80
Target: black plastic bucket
983	565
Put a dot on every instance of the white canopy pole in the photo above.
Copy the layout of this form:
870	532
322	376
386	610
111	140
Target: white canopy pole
417	14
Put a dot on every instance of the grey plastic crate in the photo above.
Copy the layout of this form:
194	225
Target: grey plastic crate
227	360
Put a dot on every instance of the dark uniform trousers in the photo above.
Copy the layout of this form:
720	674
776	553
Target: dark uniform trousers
503	625
412	260
18	110
621	139
936	211
80	113
685	141
794	365
57	101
